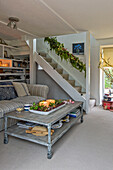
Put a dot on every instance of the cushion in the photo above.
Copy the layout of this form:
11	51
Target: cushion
21	89
7	91
28	99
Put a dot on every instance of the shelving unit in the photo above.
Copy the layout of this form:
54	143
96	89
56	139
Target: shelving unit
17	69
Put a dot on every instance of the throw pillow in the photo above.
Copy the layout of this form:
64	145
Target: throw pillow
21	89
7	91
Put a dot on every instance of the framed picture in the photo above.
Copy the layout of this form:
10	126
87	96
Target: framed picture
78	48
5	54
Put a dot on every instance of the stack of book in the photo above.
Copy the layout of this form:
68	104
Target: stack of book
25	125
74	114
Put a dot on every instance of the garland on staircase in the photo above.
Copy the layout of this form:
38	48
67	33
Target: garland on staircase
64	54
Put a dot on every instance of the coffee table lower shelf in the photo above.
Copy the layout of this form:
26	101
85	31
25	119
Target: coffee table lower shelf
20	133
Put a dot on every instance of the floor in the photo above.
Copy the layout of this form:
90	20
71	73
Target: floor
87	146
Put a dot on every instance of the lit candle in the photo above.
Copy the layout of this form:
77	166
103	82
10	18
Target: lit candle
44	103
5	65
50	101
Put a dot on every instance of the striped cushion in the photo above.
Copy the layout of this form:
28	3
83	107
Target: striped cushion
7	106
21	89
38	90
28	99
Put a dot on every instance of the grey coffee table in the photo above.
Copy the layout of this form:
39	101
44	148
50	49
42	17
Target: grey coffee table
47	120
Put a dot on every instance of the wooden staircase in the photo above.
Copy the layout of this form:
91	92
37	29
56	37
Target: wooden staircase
60	71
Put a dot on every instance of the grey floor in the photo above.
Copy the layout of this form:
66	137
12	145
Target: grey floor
87	146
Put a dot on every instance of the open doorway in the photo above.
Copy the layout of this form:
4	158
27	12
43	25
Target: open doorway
106	71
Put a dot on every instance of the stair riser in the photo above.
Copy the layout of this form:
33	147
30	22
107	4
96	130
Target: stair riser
78	89
65	76
53	65
48	59
72	82
42	54
60	71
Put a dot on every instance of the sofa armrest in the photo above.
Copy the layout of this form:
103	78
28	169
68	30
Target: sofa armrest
38	90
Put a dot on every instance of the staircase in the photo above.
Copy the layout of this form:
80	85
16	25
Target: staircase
73	82
62	78
23	48
60	71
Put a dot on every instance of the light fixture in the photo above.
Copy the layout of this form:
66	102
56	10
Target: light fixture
12	22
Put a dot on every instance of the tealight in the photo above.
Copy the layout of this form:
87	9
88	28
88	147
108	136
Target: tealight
51	101
44	103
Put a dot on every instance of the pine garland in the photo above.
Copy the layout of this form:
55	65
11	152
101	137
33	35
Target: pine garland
64	54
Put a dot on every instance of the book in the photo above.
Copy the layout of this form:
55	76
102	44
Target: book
74	114
26	125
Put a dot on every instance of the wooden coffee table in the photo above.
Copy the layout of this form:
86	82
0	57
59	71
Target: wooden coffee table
46	120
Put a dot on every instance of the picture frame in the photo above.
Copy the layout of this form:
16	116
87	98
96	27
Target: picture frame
78	48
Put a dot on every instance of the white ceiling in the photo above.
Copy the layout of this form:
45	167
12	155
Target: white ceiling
56	17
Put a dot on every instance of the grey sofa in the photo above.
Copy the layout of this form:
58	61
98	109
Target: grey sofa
37	93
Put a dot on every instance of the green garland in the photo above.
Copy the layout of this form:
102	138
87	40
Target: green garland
64	54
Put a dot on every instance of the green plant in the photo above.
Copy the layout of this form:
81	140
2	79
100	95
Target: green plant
64	54
107	68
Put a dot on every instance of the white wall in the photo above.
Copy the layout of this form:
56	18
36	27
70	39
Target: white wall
107	41
68	40
94	71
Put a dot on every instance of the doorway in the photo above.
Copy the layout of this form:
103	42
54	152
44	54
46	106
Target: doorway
106	71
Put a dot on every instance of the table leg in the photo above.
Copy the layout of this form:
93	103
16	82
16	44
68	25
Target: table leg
5	133
49	153
81	110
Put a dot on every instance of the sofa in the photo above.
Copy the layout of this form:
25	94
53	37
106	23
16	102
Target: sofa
9	99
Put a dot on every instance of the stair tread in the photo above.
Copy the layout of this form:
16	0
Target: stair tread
65	74
71	80
59	69
77	87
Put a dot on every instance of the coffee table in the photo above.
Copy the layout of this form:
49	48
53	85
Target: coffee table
46	120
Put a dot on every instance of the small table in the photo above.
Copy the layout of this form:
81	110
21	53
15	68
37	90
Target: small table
46	120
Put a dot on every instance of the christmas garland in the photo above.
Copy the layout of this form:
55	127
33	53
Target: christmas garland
64	54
